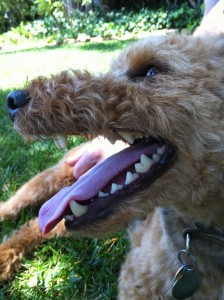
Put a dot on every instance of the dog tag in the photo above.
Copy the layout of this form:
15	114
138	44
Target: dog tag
186	282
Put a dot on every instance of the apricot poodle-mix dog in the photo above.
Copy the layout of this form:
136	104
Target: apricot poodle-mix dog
163	97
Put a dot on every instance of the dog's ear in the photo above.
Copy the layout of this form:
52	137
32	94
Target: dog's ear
213	23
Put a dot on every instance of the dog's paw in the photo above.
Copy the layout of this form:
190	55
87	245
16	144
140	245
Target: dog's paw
6	211
9	261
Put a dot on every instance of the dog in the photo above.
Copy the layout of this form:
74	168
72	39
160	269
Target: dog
164	97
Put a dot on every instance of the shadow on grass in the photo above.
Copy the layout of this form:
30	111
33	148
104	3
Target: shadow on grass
39	49
106	46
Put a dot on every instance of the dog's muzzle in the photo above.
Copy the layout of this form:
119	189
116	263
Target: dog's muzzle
16	100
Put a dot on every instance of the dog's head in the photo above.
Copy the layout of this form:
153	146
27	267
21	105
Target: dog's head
165	97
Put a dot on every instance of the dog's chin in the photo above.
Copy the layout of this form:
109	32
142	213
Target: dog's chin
102	208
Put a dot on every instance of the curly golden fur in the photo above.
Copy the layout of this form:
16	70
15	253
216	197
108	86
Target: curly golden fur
182	103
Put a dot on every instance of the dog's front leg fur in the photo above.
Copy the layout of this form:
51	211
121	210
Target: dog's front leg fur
39	189
21	243
34	192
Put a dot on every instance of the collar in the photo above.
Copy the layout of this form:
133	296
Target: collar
199	231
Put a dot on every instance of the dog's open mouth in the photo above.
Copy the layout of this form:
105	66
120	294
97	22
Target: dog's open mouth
96	194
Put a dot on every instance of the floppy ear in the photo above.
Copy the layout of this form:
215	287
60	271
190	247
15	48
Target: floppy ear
213	22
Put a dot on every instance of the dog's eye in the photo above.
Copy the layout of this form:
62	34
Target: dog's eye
148	72
151	72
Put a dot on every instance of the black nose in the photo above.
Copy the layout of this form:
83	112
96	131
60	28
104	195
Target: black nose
16	100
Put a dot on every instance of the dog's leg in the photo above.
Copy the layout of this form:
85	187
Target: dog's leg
29	235
21	243
39	189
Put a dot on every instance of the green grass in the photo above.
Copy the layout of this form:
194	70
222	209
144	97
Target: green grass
62	268
19	67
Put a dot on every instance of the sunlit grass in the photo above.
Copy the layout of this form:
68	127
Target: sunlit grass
84	269
19	67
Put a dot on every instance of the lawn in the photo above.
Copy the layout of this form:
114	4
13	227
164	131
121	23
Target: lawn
62	268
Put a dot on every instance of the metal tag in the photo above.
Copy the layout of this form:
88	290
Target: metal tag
187	280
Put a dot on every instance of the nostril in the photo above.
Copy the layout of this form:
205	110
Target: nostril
16	100
11	103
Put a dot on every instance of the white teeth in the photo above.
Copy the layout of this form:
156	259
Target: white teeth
102	194
111	140
61	142
161	150
139	168
68	217
146	135
156	157
144	165
145	160
44	137
138	135
34	137
127	136
57	144
131	177
115	187
77	209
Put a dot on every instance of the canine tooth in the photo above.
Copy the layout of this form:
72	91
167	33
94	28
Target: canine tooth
161	150
138	135
69	217
130	177
127	136
77	209
57	144
111	140
156	157
62	141
102	194
146	135
115	187
44	137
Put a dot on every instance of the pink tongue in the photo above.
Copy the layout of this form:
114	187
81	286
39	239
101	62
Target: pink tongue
88	185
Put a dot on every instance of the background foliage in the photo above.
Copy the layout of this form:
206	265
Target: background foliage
13	12
55	20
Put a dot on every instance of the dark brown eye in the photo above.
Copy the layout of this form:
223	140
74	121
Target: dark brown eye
148	72
151	72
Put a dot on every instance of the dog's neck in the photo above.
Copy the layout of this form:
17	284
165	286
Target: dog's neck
206	241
